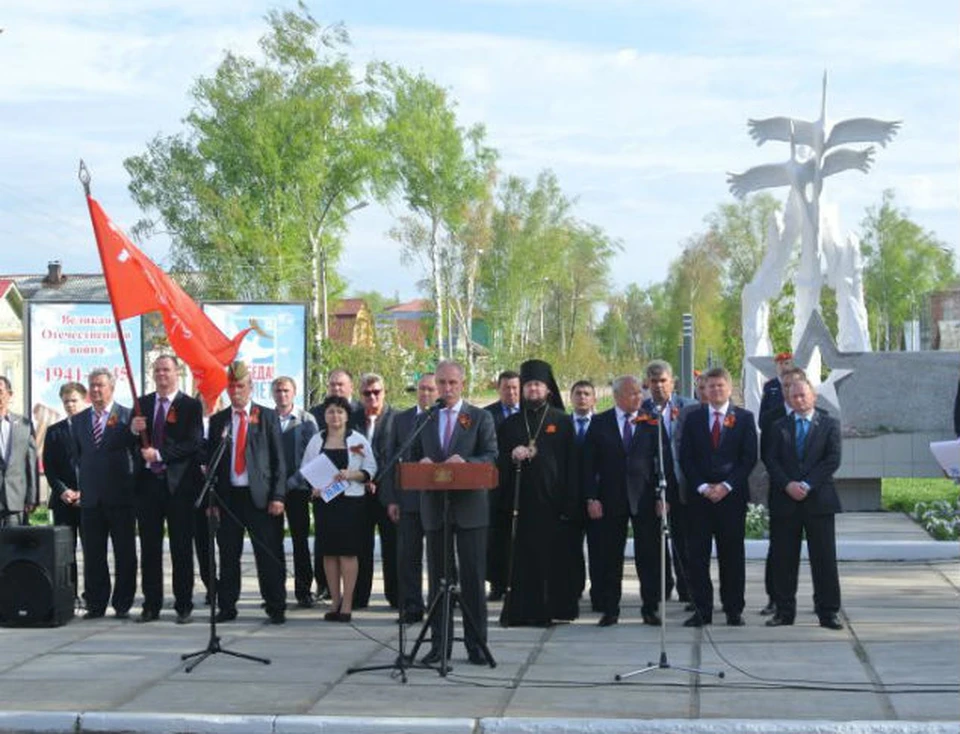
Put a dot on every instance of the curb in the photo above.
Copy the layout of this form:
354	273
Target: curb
21	721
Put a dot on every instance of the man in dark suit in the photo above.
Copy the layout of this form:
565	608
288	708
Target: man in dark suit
498	534
169	482
403	506
19	492
718	450
107	475
251	487
60	461
376	419
339	382
464	433
774	393
583	397
619	490
667	406
802	454
766	421
297	427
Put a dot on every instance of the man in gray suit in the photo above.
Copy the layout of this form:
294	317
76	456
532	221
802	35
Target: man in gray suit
251	487
297	427
464	433
18	463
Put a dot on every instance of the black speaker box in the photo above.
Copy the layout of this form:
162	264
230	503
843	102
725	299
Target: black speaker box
38	576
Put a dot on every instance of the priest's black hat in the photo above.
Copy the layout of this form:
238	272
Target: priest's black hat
537	369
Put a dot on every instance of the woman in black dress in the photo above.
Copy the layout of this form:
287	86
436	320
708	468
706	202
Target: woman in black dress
340	522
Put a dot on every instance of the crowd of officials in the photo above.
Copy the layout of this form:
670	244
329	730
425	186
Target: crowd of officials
566	481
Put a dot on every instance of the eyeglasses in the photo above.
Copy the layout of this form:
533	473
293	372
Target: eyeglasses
370	393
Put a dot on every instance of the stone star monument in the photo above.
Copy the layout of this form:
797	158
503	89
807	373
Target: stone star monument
816	153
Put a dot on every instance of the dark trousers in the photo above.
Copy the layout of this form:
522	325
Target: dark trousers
118	523
201	544
595	562
69	516
12	519
377	521
267	550
298	520
471	551
155	504
498	544
574	532
646	549
678	551
724	523
410	562
785	558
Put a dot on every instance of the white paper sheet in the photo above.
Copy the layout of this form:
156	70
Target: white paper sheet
947	454
321	473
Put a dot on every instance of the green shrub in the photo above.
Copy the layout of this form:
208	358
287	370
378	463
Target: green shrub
758	522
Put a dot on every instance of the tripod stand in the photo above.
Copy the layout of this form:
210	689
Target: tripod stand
402	662
208	493
448	594
663	662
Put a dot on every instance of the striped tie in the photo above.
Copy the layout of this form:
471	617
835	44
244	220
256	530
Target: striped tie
98	428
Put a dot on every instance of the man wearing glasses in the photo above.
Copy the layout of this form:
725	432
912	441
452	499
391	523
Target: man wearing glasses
376	420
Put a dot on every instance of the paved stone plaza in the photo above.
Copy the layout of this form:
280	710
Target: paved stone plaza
898	660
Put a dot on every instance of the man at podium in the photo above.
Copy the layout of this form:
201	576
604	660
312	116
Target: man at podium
462	433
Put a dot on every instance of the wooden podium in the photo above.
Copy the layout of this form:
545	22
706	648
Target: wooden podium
438	477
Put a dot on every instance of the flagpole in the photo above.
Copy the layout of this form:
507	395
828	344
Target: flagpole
84	176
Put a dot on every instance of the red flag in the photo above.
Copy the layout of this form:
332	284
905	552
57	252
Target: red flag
137	286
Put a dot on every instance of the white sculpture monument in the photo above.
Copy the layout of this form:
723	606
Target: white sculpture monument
814	156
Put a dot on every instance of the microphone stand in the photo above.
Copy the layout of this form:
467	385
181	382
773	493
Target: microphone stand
208	493
663	663
402	663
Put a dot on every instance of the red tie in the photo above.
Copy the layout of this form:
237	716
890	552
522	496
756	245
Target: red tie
240	445
715	433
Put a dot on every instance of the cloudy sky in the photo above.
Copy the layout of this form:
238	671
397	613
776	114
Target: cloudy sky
640	107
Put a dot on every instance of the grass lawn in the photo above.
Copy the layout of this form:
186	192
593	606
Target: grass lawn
901	495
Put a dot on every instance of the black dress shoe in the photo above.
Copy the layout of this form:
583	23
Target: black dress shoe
184	617
476	657
608	620
125	614
226	615
94	614
432	657
771	608
778	621
651	618
344	616
306	601
148	615
735	620
831	622
697	621
412	617
277	617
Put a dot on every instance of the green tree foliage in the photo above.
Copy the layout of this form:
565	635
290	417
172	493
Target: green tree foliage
273	154
902	263
439	167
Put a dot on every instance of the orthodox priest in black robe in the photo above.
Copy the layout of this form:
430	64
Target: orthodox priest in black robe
538	443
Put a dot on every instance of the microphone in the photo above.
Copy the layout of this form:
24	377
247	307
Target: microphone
226	432
437	405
